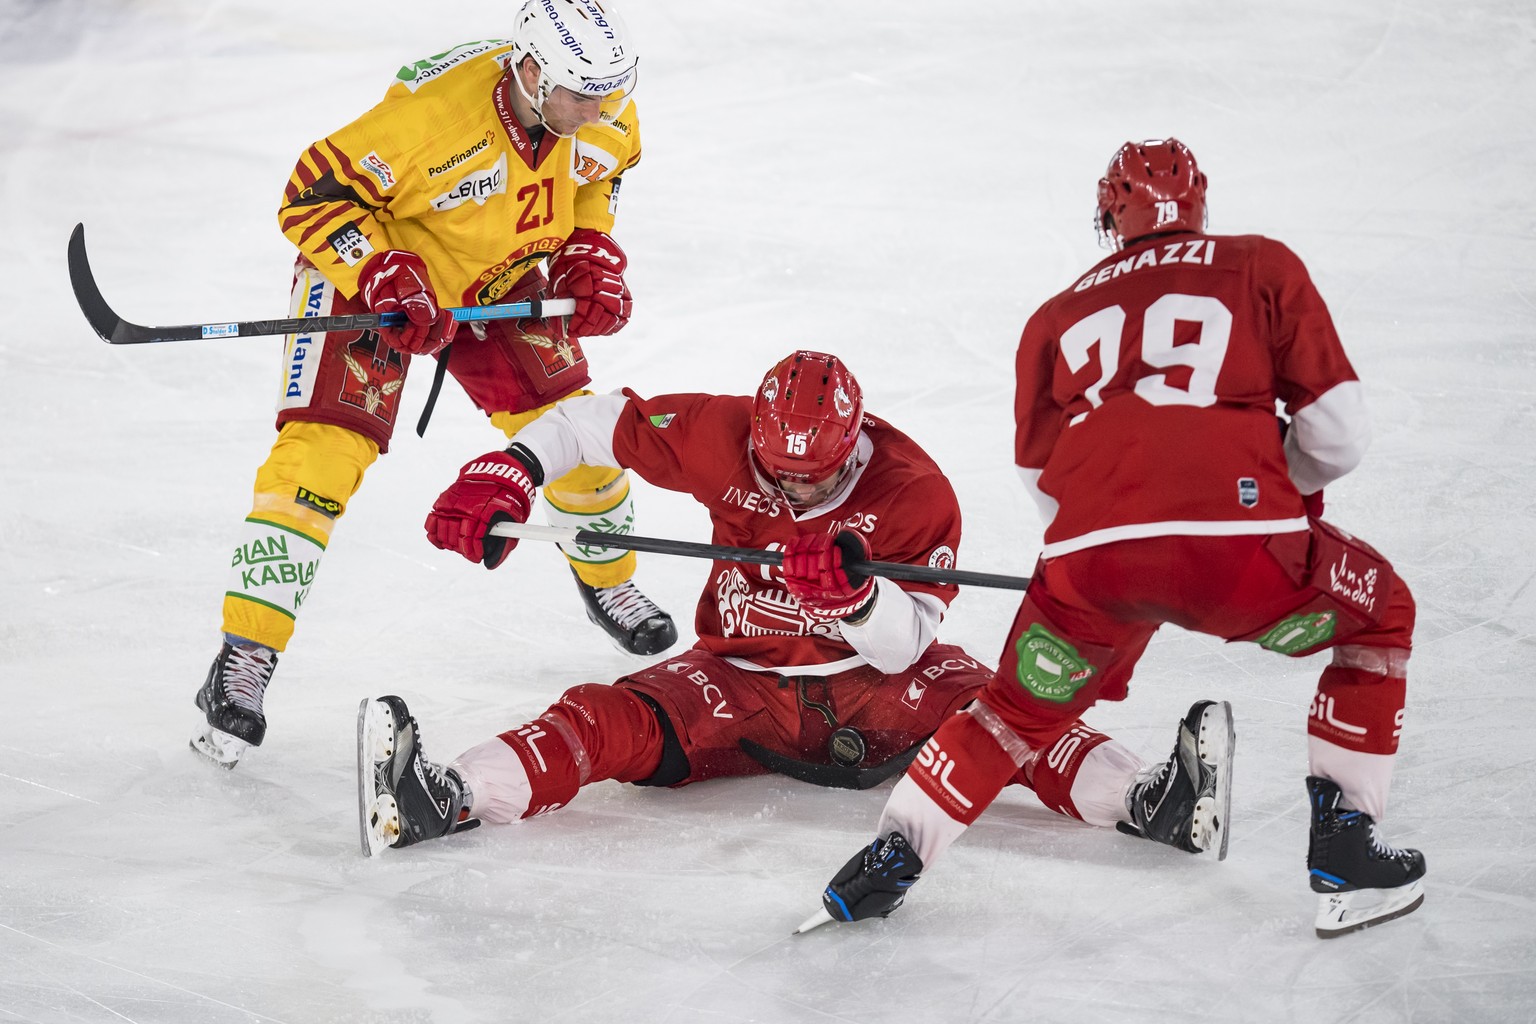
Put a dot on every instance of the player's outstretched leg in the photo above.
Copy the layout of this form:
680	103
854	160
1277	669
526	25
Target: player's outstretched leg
1186	801
633	620
872	884
231	699
1363	881
402	797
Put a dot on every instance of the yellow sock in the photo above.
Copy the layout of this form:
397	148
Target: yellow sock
587	498
594	498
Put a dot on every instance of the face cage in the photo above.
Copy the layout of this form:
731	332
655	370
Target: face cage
611	104
1108	239
770	484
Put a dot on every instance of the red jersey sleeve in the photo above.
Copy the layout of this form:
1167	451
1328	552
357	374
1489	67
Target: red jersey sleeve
679	441
1037	417
1309	358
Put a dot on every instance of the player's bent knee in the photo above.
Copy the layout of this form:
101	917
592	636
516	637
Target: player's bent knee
674	767
312	472
1383	662
617	733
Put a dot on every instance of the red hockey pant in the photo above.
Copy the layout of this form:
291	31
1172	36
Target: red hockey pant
1089	615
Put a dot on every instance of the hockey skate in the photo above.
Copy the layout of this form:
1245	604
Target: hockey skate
1363	881
231	698
402	798
873	884
630	618
1186	800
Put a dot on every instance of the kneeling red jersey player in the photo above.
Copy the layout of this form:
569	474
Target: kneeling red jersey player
811	661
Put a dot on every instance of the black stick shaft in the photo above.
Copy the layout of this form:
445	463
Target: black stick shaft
752	556
117	331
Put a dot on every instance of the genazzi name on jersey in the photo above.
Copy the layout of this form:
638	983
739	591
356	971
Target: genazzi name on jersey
1199	250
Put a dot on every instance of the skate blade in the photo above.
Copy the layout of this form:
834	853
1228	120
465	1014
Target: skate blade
1340	913
815	921
219	747
378	816
1215	745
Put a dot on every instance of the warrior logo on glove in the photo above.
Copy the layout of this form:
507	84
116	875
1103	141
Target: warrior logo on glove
495	488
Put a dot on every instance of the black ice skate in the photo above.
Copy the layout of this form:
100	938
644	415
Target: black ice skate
873	884
403	798
1363	881
1186	800
629	617
231	699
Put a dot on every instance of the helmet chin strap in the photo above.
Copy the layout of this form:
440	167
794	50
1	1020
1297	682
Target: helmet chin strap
533	101
844	476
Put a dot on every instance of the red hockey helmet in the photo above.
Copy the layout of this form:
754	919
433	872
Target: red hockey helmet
1150	187
805	426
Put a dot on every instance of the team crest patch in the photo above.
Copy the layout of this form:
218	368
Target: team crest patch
375	375
1298	633
1247	491
555	357
1049	667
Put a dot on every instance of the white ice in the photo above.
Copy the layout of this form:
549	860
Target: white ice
900	182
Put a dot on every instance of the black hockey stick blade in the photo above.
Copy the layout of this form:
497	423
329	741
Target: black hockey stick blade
750	556
117	331
831	776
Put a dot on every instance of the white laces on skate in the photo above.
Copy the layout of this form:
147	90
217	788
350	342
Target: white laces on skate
245	676
626	604
1383	850
1151	779
438	772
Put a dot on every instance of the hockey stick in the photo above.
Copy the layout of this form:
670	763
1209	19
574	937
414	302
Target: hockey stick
832	776
117	331
752	556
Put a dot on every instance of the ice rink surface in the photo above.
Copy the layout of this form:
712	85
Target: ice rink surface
894	184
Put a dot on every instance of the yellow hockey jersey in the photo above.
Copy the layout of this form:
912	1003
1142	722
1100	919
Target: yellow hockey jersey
442	168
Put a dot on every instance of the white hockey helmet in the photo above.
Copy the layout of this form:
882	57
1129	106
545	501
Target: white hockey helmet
581	45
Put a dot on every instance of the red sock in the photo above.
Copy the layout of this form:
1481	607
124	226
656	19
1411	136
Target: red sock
593	732
1053	773
962	768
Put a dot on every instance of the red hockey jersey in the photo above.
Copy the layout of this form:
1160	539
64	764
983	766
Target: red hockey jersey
1147	391
897	498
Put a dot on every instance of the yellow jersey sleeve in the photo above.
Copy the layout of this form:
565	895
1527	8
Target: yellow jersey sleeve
604	151
439	168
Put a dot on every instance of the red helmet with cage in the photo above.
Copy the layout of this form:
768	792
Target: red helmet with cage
805	425
1150	187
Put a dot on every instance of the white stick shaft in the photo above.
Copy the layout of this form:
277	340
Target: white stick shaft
529	531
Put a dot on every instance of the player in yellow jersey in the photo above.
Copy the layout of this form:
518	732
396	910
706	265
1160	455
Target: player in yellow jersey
489	173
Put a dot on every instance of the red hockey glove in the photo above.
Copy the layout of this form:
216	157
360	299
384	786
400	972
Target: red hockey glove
814	574
492	489
590	269
396	281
